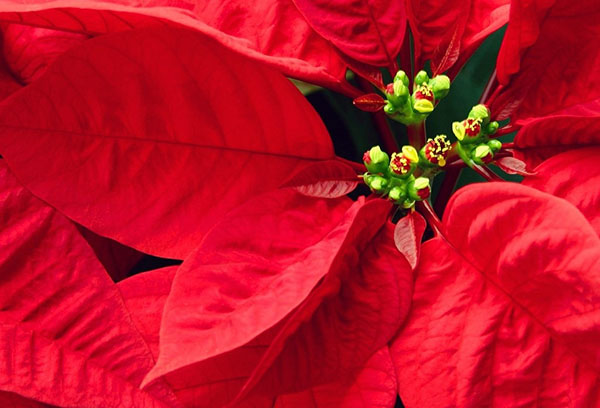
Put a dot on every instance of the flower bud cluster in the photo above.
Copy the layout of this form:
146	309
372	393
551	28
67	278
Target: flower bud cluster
473	134
395	177
414	108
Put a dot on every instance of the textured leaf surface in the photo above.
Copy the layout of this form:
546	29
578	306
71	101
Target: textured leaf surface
29	50
328	179
408	234
507	313
543	137
374	387
445	29
65	335
145	295
574	176
273	32
135	138
369	31
316	291
353	312
255	266
539	80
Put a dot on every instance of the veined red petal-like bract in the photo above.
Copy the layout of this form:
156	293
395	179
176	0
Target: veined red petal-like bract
131	135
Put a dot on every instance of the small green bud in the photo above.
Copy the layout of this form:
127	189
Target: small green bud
495	145
402	77
408	203
397	194
376	160
376	183
389	108
400	89
421	77
440	85
480	112
492	127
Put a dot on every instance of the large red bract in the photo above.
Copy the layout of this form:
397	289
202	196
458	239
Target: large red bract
132	136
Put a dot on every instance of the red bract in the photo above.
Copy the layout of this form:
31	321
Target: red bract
445	31
506	312
294	47
573	176
132	136
319	308
368	31
29	50
66	336
550	65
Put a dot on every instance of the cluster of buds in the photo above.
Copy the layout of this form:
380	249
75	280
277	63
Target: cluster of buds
473	134
395	178
411	109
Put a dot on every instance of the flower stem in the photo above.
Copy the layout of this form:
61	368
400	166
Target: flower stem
489	87
417	135
450	178
486	173
432	219
380	121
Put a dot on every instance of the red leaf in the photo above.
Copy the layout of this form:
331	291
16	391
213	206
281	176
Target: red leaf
571	128
65	335
408	234
573	176
29	51
216	288
507	312
329	179
540	81
512	165
370	102
368	297
374	387
145	295
247	28
446	30
137	139
368	31
294	275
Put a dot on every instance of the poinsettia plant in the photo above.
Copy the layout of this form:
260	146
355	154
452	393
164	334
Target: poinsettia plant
298	277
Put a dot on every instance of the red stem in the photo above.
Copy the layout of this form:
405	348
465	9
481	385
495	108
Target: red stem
486	173
491	85
446	189
432	219
417	135
380	121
